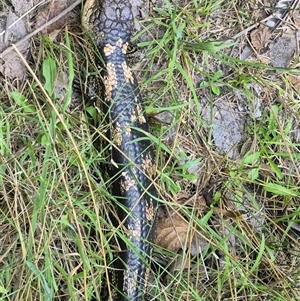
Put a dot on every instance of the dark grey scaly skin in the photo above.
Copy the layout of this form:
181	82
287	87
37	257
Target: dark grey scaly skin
133	166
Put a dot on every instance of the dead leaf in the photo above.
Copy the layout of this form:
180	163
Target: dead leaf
172	232
260	37
295	80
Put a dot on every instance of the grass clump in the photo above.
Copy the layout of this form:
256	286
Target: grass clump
49	212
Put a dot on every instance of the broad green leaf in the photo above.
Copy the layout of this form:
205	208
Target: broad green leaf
63	126
217	75
251	158
44	140
204	84
253	174
280	190
21	100
272	124
215	89
275	168
288	128
93	112
3	290
180	30
217	196
49	73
